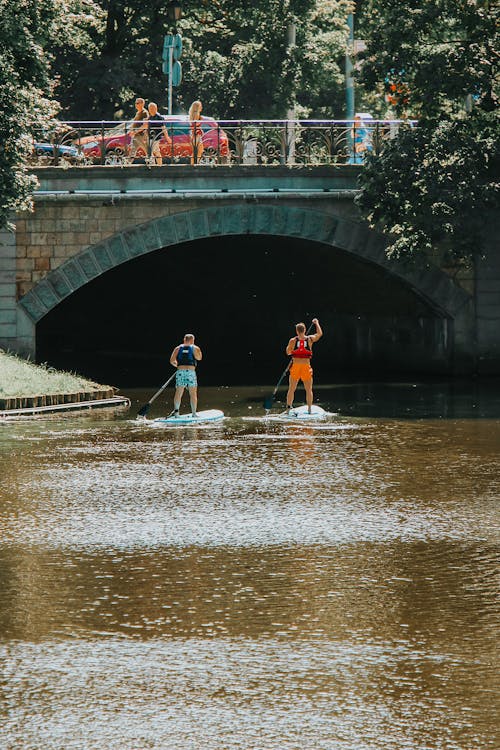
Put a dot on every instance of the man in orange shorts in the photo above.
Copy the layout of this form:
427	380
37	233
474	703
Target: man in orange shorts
299	348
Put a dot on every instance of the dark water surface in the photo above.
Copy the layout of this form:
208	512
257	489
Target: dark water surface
254	585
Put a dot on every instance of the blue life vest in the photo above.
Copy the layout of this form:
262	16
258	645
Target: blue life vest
185	355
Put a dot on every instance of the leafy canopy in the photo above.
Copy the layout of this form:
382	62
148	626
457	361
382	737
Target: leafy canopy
235	58
27	32
432	184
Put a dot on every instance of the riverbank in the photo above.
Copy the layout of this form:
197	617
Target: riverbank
27	388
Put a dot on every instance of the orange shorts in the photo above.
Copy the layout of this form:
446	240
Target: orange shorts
301	371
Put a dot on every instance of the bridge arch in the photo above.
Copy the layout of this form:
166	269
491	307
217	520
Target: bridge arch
431	284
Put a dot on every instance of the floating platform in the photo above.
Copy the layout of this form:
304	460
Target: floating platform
61	408
301	414
209	415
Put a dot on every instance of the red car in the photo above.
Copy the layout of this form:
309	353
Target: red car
110	145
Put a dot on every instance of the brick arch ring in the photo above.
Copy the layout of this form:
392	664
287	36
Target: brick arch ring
434	286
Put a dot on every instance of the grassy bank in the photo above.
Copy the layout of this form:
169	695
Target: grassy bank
20	378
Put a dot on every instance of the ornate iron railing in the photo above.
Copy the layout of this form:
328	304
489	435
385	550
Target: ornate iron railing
258	142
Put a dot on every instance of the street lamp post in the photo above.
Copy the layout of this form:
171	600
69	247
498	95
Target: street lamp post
349	78
291	36
172	50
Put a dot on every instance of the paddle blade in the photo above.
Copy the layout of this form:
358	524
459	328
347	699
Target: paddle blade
268	403
143	411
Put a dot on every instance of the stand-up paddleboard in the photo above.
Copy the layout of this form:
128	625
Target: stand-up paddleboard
302	414
209	415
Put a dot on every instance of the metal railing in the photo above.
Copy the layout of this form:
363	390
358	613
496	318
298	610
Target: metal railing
229	142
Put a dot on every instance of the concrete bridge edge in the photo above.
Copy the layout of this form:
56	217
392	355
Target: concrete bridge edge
354	237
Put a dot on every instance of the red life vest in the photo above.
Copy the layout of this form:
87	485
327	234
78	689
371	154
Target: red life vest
302	349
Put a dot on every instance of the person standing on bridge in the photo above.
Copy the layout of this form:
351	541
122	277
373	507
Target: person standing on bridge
185	357
139	129
196	133
299	348
156	128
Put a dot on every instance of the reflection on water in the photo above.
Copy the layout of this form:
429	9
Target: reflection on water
253	585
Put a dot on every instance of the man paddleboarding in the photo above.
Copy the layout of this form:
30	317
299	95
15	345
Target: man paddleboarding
299	348
185	357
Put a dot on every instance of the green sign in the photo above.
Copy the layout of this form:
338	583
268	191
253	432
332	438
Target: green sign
176	73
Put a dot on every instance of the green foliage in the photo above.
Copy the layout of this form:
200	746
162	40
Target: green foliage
432	184
26	33
235	59
442	50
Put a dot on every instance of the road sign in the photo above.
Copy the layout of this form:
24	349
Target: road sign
168	42
176	73
177	44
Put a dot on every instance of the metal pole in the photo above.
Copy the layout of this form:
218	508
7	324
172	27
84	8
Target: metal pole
170	71
291	36
349	78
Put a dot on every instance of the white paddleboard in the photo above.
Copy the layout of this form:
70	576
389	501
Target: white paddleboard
209	415
301	413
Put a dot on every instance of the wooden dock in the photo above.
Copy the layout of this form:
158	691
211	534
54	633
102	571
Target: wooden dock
24	406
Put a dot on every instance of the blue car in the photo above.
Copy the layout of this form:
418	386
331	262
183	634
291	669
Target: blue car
52	153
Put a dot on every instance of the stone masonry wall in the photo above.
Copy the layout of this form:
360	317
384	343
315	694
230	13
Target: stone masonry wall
58	230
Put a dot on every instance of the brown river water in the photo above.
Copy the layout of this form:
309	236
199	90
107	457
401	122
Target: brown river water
254	585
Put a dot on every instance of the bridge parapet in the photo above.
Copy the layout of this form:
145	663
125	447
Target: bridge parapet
243	142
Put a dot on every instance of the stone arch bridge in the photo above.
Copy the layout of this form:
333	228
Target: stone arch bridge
88	222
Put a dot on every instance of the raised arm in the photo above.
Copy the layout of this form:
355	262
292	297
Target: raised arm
319	332
197	353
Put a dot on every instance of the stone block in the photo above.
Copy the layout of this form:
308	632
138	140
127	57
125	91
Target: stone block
263	218
23	287
8	315
22	238
102	257
20	225
7	331
295	220
198	224
232	220
43	238
74	273
117	249
215	221
33	251
182	229
42	264
89	265
7	289
24	264
32	306
60	284
46	294
21	251
150	237
133	241
47	252
37	276
7	263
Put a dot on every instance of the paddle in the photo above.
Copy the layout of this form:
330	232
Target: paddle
268	402
144	409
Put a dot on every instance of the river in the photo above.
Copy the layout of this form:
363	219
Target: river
254	585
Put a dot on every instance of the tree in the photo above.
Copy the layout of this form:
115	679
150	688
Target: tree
431	184
236	58
26	33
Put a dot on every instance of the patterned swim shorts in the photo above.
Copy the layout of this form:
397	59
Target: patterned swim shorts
185	379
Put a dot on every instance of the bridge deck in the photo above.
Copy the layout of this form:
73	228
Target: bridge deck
198	180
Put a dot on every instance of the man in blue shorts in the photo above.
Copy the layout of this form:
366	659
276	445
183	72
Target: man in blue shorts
185	357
